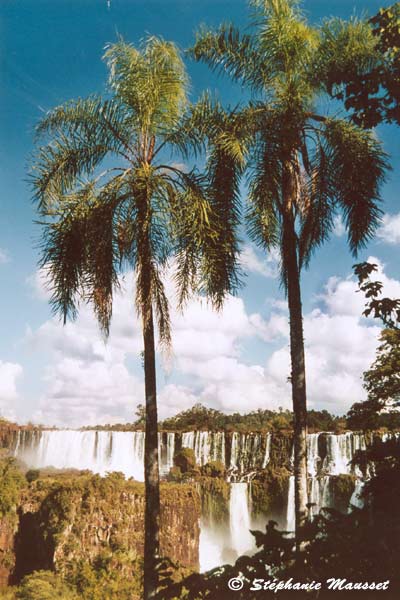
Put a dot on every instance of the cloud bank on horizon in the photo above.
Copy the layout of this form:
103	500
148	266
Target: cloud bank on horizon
86	381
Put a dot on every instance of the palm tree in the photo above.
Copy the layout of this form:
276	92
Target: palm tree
303	167
110	200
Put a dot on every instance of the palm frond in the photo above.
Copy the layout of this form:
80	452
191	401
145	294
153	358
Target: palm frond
264	183
221	271
59	165
151	80
346	47
318	218
358	166
229	52
285	41
90	119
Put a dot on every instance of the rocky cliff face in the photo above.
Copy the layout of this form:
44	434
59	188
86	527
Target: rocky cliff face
62	523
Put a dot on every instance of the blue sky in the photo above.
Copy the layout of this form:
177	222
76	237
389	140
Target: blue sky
50	51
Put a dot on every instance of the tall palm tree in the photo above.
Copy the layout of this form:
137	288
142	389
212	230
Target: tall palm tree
303	167
109	199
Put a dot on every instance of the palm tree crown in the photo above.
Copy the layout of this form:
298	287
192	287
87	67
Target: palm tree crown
108	197
335	165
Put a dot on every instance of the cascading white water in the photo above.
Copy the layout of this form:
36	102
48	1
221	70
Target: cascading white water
235	450
267	454
290	513
105	451
320	494
242	541
313	459
97	451
340	450
356	499
207	446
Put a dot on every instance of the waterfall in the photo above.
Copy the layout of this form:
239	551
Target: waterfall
267	454
313	459
170	450
239	519
97	451
235	450
356	499
320	494
340	450
290	513
246	451
339	454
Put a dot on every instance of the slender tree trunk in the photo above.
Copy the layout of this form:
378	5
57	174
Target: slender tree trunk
151	472
298	371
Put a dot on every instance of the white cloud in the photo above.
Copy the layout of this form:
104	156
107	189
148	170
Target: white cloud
9	373
339	228
88	381
267	265
389	231
4	257
39	284
81	392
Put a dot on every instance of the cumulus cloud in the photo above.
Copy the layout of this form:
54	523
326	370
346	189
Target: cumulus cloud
88	381
389	231
81	392
340	343
9	374
267	265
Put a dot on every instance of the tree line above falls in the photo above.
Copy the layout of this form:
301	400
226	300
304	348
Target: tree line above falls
200	417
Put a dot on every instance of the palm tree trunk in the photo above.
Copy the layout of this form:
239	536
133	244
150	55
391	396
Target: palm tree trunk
151	472
298	371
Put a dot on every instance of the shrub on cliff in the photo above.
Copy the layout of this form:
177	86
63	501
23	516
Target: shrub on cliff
112	576
11	483
45	585
214	468
32	475
185	459
175	474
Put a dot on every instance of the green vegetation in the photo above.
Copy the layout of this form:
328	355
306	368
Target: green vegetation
214	493
11	484
137	213
79	535
303	169
185	460
215	468
385	309
269	491
342	488
371	89
45	585
200	417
